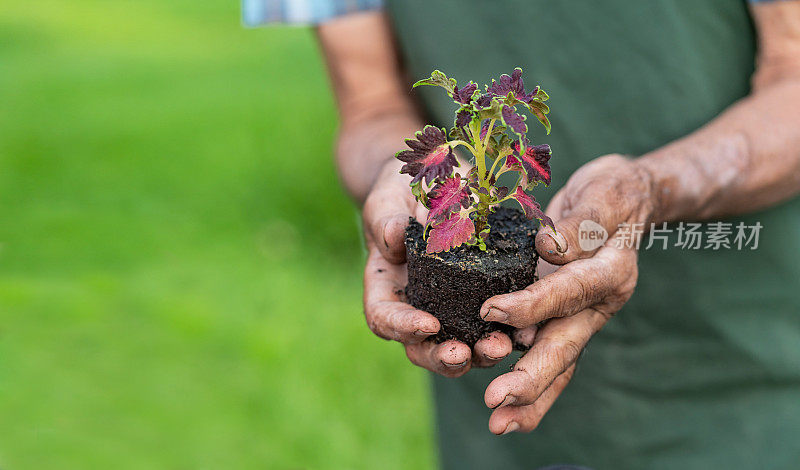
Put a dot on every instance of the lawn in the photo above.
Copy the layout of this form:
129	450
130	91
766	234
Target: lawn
179	269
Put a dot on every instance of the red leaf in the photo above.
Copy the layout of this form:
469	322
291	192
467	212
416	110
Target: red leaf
536	161
450	233
446	198
430	157
531	207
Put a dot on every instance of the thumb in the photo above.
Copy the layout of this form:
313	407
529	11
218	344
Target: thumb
386	214
576	236
388	236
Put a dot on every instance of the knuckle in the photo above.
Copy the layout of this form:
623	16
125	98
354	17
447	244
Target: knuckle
625	277
560	304
522	308
374	328
562	353
583	291
375	323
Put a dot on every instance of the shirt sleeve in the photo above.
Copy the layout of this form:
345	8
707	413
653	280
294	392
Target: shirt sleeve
261	12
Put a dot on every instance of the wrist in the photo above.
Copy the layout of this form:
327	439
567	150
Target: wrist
651	210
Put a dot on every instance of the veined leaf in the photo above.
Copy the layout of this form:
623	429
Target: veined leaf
464	95
448	197
540	110
514	121
430	157
512	84
535	161
531	207
450	233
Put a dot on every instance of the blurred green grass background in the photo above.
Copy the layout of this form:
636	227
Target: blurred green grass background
179	269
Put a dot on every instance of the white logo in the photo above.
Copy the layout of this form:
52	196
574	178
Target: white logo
591	235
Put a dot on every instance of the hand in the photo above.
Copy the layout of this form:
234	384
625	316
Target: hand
386	213
578	298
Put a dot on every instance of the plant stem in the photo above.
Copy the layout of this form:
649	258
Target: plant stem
484	178
469	147
511	191
494	165
480	152
488	133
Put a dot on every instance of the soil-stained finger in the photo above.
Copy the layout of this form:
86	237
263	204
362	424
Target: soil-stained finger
386	313
567	291
527	417
491	349
450	358
557	346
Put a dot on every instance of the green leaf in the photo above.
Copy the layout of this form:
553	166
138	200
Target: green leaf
499	145
438	78
419	192
540	110
511	100
540	106
492	112
456	134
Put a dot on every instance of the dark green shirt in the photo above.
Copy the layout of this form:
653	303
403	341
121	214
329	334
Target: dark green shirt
701	369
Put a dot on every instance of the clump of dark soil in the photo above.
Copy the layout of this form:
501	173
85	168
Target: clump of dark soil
453	285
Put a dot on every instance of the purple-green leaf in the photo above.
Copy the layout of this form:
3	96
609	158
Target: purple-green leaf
464	95
463	117
430	157
514	121
513	83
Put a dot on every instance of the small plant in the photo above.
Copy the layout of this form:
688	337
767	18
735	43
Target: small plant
488	126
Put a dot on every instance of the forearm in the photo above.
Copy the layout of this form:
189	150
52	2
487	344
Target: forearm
374	104
746	159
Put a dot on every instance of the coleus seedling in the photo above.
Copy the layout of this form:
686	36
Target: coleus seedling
489	126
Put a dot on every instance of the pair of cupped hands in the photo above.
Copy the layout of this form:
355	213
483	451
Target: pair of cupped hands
577	293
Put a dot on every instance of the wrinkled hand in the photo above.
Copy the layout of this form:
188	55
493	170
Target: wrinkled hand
385	216
578	298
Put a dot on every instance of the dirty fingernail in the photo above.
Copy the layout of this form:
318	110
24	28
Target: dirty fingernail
561	242
508	400
495	314
423	334
512	426
454	366
492	358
